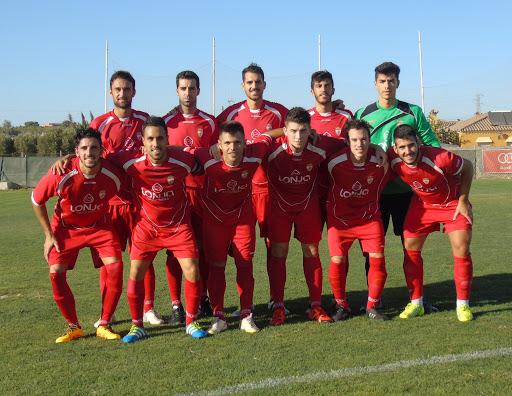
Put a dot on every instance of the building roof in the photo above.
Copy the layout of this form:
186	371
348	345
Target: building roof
495	121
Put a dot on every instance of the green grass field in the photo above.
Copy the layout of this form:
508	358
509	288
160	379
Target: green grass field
300	358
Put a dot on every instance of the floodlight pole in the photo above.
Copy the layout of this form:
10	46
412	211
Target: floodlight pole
319	45
213	75
422	92
106	74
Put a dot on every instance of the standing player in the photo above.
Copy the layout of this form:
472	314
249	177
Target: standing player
383	116
81	220
120	130
353	213
158	181
256	116
441	182
190	127
292	172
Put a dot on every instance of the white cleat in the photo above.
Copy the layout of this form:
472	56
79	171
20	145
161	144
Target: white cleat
247	324
152	317
98	322
218	326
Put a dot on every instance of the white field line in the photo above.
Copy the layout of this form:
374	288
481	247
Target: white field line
351	372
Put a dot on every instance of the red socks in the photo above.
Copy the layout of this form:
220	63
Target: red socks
313	273
192	298
277	277
174	276
113	290
463	275
376	279
149	288
413	270
338	280
63	296
217	289
135	292
245	286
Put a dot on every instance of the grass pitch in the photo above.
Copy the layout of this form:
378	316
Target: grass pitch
277	360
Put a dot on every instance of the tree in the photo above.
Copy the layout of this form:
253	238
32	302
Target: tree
6	145
31	124
25	144
91	116
442	129
50	143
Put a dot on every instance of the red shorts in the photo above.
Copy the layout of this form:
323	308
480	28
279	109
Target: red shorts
423	219
261	203
219	236
307	225
370	235
123	218
71	240
147	241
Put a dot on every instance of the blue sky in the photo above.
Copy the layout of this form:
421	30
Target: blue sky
52	59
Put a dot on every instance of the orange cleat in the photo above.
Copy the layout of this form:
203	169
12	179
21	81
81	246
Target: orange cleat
278	317
318	314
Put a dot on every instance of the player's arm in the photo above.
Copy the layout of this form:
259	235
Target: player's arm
59	166
44	190
275	133
381	155
464	206
425	132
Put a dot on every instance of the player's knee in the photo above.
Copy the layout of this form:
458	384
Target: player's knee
376	255
58	268
279	249
309	250
338	260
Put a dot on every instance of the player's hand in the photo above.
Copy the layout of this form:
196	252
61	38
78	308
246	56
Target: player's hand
338	104
382	157
59	166
465	209
49	243
215	152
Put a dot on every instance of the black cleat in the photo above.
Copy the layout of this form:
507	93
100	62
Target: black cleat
177	315
375	315
341	313
205	309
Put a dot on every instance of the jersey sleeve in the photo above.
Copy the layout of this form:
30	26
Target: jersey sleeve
330	145
202	155
425	132
45	189
449	162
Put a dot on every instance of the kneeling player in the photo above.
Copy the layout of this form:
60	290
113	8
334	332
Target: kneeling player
441	182
353	213
80	220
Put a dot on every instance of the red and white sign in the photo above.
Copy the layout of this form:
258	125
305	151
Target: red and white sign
497	160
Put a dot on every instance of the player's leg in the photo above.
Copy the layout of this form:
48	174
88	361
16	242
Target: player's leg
174	280
460	241
261	205
114	269
150	314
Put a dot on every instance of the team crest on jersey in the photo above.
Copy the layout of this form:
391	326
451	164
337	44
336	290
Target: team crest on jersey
426	181
200	132
128	144
231	184
157	188
244	174
88	199
338	131
370	179
327	134
170	180
356	186
255	134
417	185
295	172
309	167
188	141
102	194
269	127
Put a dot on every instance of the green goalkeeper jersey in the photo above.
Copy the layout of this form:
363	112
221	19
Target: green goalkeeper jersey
384	121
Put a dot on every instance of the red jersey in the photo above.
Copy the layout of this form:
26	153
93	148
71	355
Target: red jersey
83	200
256	122
436	177
355	189
192	130
159	190
227	191
292	177
330	124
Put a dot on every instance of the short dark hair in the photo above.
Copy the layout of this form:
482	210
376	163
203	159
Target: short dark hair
357	124
155	122
253	68
84	133
232	128
404	131
321	75
298	115
387	68
187	75
123	75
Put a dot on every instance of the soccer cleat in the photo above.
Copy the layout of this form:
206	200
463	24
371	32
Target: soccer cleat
205	308
375	315
412	310
318	314
270	307
72	333
278	317
152	317
136	333
98	322
218	326
341	313
194	330
177	315
236	313
107	333
464	313
247	324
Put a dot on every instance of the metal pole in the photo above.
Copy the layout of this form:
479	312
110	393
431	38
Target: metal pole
319	53
213	76
421	74
106	74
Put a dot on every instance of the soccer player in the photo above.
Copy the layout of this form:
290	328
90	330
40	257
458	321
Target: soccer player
81	220
383	116
256	116
158	182
292	171
353	213
121	129
229	219
190	127
441	182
